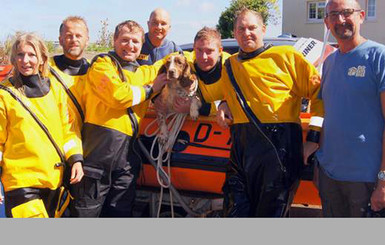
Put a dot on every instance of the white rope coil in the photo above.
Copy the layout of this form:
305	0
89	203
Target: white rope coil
174	125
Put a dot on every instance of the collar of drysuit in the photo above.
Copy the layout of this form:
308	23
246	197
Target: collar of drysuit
34	86
211	76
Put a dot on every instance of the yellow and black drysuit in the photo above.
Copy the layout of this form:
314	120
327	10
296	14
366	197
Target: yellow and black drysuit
207	82
266	156
32	169
115	97
72	75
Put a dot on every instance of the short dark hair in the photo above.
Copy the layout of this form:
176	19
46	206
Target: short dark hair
358	6
243	11
208	33
133	26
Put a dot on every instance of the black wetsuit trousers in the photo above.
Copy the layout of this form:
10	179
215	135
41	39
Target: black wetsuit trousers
108	186
257	184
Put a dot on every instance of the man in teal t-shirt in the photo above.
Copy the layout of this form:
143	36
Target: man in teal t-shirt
352	165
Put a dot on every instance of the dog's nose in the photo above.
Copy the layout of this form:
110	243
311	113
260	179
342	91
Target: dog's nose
171	73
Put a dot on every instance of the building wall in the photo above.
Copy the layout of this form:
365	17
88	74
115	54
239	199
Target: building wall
295	21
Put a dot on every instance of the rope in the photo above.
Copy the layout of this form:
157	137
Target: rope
172	188
174	126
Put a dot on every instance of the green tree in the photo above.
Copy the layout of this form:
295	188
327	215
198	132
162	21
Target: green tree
268	9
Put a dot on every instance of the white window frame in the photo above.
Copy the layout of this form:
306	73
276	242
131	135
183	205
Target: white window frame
374	5
318	6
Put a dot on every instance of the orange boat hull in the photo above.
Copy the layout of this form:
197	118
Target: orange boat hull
208	143
5	70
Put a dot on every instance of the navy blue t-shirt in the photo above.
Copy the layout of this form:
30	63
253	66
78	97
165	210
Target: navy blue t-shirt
150	54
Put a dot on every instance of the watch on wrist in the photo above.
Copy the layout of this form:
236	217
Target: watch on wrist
381	175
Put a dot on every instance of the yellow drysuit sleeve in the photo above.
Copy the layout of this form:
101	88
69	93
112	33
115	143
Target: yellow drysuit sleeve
307	85
104	79
72	143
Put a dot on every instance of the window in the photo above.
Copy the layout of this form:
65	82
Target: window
371	9
316	11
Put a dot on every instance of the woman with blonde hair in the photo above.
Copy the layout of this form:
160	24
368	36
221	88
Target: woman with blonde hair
37	140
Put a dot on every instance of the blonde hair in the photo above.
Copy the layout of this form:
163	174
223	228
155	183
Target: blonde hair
42	55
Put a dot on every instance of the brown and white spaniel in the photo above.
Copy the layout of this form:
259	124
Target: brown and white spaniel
182	83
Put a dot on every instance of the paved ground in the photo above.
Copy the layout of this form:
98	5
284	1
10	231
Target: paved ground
300	211
297	211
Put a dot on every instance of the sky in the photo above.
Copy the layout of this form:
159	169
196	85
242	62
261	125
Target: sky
45	16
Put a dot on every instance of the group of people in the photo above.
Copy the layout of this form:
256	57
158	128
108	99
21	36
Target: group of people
85	117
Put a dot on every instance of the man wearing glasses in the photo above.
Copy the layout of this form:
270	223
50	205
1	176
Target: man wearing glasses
351	156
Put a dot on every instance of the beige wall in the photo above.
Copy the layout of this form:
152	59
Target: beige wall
295	21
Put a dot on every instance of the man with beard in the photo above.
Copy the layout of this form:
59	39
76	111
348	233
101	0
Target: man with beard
156	46
351	156
71	67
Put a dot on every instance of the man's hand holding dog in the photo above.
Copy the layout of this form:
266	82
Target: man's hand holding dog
159	82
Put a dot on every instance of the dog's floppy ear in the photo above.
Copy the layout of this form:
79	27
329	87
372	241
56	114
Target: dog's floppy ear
187	70
187	81
162	69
